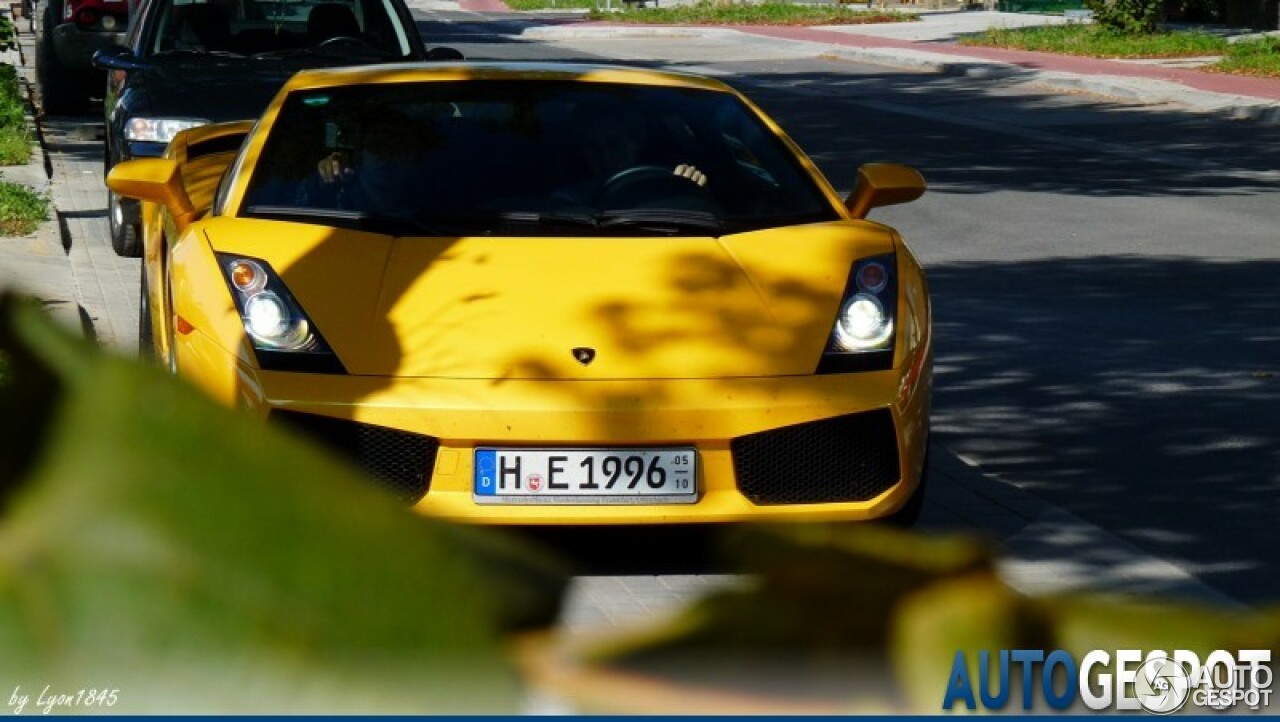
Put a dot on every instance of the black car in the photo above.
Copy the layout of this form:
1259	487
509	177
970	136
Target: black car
191	62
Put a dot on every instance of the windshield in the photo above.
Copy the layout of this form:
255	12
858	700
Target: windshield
356	28
529	158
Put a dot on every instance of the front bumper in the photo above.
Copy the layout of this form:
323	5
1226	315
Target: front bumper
713	416
75	47
143	149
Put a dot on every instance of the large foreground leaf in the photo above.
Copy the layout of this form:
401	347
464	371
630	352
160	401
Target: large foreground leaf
197	560
863	618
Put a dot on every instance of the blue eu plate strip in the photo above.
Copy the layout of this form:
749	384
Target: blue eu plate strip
486	478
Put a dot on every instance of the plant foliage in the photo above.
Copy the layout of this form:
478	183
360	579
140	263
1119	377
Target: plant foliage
1129	17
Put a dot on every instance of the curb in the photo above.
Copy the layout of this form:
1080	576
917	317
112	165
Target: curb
1142	90
37	264
1046	549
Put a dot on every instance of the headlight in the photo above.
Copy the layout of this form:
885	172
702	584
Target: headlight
269	322
862	336
863	324
283	338
159	130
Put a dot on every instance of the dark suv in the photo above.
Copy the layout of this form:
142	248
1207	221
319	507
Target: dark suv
190	62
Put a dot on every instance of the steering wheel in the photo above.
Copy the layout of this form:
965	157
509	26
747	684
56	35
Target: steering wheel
343	40
630	178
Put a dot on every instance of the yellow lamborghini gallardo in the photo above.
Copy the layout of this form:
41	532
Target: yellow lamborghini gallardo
547	294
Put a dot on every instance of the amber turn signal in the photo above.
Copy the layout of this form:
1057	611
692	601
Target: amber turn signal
244	275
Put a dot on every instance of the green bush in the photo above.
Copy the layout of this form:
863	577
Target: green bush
10	98
1130	17
15	144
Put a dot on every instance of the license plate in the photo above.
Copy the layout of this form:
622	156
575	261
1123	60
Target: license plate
586	476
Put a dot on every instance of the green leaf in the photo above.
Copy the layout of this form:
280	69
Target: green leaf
198	560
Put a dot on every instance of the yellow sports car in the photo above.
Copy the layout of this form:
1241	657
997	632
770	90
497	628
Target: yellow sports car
547	294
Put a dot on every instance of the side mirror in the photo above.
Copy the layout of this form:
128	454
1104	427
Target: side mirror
118	57
153	179
444	53
883	184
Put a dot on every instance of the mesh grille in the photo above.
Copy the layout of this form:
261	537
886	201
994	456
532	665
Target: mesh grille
400	460
848	458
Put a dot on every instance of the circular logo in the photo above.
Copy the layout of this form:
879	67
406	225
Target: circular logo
1162	686
535	482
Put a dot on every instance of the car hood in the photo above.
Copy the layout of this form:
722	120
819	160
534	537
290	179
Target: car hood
214	88
753	304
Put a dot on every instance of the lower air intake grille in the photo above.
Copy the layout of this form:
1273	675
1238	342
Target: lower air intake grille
402	461
848	458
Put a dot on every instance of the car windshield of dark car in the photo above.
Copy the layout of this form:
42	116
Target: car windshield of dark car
277	28
529	158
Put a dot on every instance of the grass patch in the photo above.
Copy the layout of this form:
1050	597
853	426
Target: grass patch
553	4
21	209
1097	42
765	13
15	144
1261	57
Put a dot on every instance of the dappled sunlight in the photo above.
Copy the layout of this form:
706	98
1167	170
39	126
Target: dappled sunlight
1133	397
1060	553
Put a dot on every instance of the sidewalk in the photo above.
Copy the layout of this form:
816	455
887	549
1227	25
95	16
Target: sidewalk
68	263
37	264
929	45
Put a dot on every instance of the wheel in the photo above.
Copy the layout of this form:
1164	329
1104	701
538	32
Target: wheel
63	90
639	182
629	176
126	237
146	339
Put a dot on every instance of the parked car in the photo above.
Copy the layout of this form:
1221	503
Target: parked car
547	294
67	33
186	63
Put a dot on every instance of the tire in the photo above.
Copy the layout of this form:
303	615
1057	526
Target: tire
126	238
146	339
63	90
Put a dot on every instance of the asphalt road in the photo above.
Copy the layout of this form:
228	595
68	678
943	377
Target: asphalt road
1103	277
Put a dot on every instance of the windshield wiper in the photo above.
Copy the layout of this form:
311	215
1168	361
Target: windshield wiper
539	218
365	51
283	53
661	220
355	220
198	52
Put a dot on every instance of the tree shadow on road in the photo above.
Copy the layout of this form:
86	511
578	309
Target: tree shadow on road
1143	393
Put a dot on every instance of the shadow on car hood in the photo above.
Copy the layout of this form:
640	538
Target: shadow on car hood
753	304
